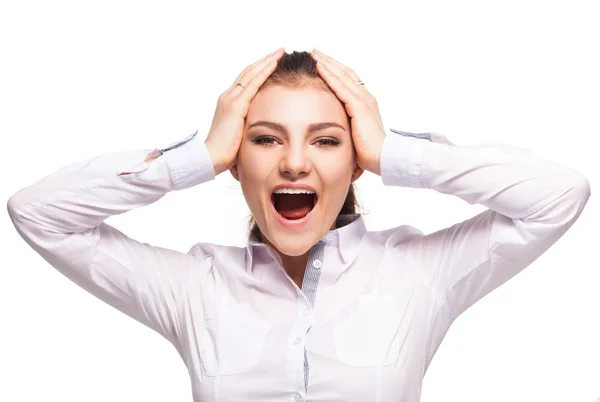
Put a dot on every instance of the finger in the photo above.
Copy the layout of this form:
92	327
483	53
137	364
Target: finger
252	69
342	76
251	88
253	65
342	91
247	77
337	64
249	72
340	83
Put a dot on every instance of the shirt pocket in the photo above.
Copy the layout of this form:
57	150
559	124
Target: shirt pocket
234	342
368	335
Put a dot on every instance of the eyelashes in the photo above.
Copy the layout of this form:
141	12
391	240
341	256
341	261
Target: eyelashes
269	141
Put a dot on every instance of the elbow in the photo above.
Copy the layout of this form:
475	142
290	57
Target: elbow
16	202
565	208
21	202
14	213
17	205
585	185
582	190
12	206
576	198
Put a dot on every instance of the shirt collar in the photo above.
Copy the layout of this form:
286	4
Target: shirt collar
346	237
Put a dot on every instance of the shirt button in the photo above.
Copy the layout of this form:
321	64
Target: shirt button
297	341
306	313
297	397
329	237
317	264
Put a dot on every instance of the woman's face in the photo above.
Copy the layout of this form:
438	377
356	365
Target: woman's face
323	158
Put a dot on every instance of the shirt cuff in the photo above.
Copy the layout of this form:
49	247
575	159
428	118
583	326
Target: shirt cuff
188	162
400	160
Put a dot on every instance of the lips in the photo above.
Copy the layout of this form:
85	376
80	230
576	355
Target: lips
293	223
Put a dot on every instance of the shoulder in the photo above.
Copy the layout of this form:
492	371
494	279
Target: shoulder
212	252
394	237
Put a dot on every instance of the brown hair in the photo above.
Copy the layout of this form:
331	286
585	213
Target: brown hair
298	70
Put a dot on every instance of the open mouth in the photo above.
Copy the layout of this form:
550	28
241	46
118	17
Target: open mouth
294	206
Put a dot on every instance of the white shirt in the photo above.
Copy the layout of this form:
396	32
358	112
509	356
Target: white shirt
384	299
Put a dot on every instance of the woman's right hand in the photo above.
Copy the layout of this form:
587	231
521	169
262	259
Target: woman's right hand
226	131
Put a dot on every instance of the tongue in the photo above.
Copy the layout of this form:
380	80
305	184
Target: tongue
293	206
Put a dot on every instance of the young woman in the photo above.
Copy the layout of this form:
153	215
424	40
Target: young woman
316	307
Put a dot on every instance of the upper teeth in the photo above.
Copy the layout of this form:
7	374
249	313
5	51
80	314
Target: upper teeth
293	191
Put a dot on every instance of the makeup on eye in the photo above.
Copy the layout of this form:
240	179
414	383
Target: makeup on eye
283	129
268	140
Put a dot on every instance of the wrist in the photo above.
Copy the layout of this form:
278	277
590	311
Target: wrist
375	161
218	165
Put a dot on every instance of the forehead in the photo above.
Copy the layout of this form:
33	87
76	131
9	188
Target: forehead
296	106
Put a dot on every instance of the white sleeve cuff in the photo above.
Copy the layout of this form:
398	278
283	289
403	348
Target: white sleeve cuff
188	162
400	161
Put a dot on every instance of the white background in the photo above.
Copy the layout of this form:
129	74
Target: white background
83	78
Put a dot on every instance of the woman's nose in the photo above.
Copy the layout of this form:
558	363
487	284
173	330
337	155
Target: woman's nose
295	161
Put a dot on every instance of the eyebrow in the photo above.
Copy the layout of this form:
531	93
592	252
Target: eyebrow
282	129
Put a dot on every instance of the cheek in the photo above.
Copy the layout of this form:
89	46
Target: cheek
336	168
251	167
336	182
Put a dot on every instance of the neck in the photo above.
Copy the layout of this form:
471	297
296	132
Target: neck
295	267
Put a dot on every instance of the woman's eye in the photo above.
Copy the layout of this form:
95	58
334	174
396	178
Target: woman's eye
324	142
328	142
264	140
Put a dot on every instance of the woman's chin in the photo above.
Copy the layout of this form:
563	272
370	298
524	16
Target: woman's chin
294	237
292	243
293	250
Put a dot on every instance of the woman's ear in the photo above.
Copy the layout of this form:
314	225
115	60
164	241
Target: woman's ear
234	172
358	171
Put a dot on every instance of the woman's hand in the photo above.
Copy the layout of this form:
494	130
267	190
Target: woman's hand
367	128
226	131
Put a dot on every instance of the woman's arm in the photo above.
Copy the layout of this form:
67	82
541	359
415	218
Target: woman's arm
532	202
61	217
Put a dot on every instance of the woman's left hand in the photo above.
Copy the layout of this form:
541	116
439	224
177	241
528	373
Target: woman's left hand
367	128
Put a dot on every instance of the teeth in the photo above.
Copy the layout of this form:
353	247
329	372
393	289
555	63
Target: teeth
293	191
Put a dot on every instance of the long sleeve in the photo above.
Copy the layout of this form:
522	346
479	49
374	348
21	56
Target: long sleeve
531	203
61	217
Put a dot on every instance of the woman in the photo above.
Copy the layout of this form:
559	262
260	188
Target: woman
315	307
